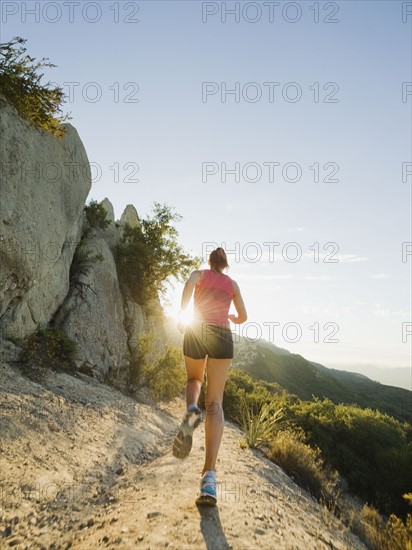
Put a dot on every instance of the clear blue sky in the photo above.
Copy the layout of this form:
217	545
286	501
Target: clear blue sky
170	132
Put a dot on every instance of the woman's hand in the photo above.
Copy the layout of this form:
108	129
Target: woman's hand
239	306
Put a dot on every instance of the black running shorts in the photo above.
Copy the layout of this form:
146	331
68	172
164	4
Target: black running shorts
203	339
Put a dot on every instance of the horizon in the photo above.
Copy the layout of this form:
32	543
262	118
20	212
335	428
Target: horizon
284	139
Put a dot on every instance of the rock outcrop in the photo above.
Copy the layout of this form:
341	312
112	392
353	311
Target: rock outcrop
94	317
130	216
45	182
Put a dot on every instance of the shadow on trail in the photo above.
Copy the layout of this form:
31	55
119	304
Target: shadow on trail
212	529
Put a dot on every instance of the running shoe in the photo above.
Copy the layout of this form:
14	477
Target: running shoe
207	495
182	443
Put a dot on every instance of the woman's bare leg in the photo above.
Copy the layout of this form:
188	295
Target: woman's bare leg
182	443
217	372
195	369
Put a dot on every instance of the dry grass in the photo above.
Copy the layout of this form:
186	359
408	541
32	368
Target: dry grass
260	427
377	532
304	464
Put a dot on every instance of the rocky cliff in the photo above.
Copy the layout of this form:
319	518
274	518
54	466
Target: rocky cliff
44	185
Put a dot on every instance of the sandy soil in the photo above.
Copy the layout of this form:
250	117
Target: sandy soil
86	467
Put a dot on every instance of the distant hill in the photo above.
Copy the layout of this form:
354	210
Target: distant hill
305	379
401	377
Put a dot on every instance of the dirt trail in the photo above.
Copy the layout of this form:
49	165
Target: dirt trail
85	467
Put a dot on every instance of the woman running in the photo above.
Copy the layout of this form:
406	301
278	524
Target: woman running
208	344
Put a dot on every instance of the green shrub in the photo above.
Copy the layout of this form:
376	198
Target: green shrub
164	375
20	84
140	358
47	349
96	216
148	254
166	378
372	450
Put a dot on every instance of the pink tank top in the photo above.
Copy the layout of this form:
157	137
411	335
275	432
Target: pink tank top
212	298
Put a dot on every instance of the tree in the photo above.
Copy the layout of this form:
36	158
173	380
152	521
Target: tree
20	84
148	254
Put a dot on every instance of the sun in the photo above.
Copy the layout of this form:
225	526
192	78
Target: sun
186	317
171	304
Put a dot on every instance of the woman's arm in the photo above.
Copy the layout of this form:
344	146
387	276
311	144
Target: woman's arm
186	295
188	289
239	305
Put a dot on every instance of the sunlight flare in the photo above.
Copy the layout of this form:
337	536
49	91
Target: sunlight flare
186	317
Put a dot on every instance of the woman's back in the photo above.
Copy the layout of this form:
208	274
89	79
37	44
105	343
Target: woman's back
212	298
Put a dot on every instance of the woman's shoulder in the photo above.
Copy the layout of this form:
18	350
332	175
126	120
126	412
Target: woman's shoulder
235	285
198	275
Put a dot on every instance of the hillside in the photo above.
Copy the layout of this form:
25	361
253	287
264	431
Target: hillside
92	468
305	378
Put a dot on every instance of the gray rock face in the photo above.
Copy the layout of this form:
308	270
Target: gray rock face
108	206
94	317
112	233
44	184
130	216
138	320
135	322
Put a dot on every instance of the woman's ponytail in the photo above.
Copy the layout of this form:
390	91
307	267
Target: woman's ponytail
218	259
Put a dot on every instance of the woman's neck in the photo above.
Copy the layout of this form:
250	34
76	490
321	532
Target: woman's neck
216	271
